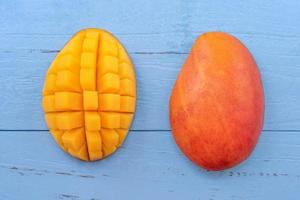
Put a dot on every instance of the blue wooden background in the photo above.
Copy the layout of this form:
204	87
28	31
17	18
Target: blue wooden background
158	35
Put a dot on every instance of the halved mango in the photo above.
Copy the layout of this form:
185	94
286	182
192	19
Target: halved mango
89	95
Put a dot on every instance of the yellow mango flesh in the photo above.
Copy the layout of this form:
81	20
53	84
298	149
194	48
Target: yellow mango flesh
89	95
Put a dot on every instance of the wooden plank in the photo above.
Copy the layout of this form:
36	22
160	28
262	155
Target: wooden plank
148	166
22	74
47	17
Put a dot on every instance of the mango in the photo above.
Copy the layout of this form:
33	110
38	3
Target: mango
89	95
217	103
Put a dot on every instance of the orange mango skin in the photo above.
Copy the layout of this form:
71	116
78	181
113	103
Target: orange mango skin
217	103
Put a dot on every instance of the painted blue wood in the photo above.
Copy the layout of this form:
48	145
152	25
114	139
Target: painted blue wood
148	166
158	36
151	17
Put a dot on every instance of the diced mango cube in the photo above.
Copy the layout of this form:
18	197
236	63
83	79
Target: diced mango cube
94	142
110	120
126	71
90	45
125	120
109	102
127	88
74	139
67	101
68	62
48	103
123	56
69	120
109	83
108	46
51	120
107	64
92	121
57	134
127	104
49	86
122	135
88	60
88	79
110	140
67	81
82	153
90	100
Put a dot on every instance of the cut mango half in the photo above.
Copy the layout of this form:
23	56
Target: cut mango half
89	95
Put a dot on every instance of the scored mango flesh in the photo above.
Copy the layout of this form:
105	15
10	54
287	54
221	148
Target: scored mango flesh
89	95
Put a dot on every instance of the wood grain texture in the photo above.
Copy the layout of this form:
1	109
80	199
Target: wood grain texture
158	36
142	170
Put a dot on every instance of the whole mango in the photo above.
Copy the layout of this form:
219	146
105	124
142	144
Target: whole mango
217	103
